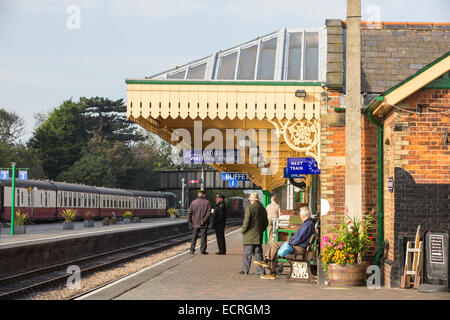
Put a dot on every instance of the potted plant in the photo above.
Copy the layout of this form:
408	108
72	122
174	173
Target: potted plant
19	222
127	215
105	221
136	219
69	216
172	212
89	220
343	252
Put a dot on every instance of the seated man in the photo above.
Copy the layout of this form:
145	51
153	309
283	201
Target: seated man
299	241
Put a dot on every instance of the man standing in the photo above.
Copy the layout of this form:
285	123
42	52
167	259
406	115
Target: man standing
198	217
255	222
220	216
273	211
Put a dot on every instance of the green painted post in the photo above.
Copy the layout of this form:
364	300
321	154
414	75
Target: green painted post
266	201
13	195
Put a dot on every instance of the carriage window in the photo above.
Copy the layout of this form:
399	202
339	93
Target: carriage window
29	198
46	199
18	196
104	203
21	198
74	199
115	203
65	199
70	199
89	201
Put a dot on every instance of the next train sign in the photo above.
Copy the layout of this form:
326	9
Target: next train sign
301	166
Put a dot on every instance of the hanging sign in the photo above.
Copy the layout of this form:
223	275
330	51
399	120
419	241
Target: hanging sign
229	156
293	175
227	176
4	175
23	175
302	166
232	183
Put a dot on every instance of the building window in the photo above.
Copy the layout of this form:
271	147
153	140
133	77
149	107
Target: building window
227	66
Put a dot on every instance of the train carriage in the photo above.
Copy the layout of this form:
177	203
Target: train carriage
115	201
81	198
150	203
45	200
36	198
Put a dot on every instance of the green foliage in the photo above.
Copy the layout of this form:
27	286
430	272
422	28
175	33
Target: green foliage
69	215
127	214
349	242
60	140
20	218
172	211
12	127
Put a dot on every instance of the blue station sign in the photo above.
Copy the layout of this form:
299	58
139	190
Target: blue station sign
4	175
232	183
227	176
301	166
230	156
23	175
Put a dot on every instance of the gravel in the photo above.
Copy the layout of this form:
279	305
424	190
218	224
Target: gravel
96	279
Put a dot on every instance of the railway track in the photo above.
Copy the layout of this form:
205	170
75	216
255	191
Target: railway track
20	285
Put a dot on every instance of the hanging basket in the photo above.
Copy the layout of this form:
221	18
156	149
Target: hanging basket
350	275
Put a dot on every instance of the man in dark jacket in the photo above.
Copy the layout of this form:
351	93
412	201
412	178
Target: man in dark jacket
255	222
198	217
220	216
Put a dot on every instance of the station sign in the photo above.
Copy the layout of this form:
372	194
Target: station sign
227	176
4	175
232	183
292	175
230	156
23	175
299	166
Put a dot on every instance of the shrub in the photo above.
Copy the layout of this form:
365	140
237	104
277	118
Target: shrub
105	222
69	215
172	211
89	216
113	220
20	218
127	214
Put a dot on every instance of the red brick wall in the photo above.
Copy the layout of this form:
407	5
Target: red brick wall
417	158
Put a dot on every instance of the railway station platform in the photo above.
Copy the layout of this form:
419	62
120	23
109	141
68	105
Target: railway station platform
215	277
42	232
46	245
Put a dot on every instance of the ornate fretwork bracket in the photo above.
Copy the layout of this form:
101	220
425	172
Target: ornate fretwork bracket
302	136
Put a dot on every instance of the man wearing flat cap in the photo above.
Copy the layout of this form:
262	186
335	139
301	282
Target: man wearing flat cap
198	217
220	216
253	227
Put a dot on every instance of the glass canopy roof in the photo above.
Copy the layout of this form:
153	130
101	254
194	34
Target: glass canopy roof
296	54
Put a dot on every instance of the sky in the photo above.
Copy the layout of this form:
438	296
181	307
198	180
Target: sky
54	50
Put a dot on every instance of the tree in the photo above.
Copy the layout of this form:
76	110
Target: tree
60	140
108	119
93	170
12	127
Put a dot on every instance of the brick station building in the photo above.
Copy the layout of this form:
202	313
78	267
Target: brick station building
404	118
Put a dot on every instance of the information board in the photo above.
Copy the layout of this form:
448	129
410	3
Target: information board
302	166
437	255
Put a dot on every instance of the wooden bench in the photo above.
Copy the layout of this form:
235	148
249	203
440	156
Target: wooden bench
300	264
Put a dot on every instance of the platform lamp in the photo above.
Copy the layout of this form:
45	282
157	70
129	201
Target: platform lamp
300	93
13	195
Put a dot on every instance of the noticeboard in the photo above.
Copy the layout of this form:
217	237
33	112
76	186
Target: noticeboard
437	255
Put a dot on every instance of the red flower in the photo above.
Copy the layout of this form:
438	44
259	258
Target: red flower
370	238
349	222
356	233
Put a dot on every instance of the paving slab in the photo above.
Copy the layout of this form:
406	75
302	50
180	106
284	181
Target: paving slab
213	277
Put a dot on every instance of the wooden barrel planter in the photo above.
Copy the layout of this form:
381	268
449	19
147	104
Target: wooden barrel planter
350	275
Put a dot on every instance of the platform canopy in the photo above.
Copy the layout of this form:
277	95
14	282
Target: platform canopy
265	94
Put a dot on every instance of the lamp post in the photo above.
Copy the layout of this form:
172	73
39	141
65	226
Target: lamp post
13	195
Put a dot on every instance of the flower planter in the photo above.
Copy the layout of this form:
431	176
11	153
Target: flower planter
126	220
89	223
20	229
173	216
68	226
350	275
